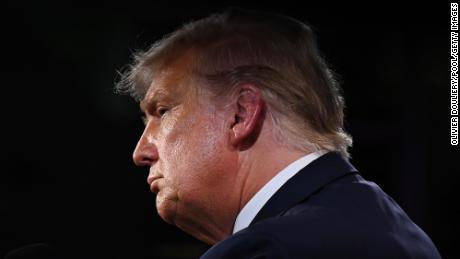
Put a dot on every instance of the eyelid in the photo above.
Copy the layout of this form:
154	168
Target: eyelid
161	108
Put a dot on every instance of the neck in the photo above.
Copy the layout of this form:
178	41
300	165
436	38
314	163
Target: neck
258	168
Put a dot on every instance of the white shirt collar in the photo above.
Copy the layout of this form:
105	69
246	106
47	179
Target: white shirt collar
255	204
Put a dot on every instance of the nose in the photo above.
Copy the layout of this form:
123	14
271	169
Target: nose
145	153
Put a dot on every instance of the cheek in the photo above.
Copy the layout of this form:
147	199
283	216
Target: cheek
192	151
197	168
205	161
169	144
196	152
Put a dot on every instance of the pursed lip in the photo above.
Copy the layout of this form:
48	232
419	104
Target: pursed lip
152	178
152	181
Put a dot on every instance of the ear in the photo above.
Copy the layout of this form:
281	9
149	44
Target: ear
248	114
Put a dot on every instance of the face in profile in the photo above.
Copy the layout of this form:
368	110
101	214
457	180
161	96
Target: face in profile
185	145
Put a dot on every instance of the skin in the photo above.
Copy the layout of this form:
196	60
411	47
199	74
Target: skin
206	159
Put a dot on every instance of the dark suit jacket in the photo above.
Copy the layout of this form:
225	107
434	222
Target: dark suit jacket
327	210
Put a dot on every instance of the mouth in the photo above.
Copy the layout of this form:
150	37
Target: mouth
154	183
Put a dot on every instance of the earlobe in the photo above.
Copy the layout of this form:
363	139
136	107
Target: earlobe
248	115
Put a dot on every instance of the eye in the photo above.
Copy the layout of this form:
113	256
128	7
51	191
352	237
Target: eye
161	111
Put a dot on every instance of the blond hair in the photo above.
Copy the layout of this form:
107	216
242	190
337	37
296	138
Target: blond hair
276	53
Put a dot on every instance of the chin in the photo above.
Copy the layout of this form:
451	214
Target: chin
166	208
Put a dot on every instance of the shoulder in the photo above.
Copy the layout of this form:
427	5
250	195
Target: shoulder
350	218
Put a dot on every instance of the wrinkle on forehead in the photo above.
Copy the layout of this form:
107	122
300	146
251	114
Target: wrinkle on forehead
171	78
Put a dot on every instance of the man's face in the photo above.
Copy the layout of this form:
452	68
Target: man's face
192	167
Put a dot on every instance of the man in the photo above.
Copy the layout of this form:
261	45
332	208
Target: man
245	144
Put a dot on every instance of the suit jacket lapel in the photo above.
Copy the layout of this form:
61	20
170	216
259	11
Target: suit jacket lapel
307	181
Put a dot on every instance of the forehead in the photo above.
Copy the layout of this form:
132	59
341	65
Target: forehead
172	81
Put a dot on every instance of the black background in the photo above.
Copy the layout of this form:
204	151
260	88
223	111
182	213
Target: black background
67	178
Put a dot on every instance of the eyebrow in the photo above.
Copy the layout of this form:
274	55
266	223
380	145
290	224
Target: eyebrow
151	100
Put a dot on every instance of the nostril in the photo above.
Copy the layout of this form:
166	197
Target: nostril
140	159
144	156
145	153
